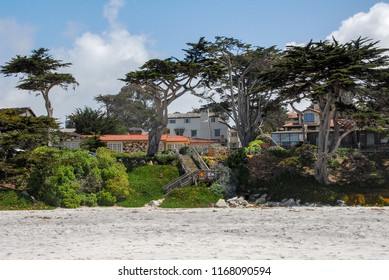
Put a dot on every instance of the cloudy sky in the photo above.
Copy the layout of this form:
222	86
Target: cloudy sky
105	39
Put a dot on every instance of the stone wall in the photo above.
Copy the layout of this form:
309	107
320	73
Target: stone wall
131	147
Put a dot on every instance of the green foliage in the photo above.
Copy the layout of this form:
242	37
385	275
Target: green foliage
254	147
90	121
127	104
190	197
226	179
217	189
89	200
22	132
105	198
92	143
165	157
118	186
12	200
64	178
279	152
238	161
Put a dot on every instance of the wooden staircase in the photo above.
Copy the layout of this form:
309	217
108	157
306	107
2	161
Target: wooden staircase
195	170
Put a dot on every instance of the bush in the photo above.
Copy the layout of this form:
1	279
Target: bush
118	186
105	198
254	147
238	162
64	178
356	199
89	200
226	179
217	189
165	157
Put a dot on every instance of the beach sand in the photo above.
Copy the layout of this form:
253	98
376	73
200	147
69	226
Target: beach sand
151	233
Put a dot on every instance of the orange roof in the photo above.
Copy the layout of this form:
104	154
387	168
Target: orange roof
143	137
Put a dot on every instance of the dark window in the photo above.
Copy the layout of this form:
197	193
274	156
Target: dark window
217	132
172	121
193	133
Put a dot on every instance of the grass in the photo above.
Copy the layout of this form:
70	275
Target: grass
190	197
147	182
12	200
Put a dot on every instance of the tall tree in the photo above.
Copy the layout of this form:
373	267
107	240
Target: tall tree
130	107
164	81
90	121
249	103
340	78
18	131
38	74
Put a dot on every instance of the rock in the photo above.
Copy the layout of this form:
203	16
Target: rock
288	203
264	195
260	200
256	195
221	203
245	203
241	198
155	203
341	203
233	204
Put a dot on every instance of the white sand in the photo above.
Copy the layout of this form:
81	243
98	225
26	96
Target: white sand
144	233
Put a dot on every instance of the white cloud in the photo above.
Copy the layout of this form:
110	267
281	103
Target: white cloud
15	37
111	11
374	24
98	61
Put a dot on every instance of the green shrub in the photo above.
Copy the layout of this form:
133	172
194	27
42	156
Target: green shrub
69	195
13	200
89	199
105	198
118	186
217	189
238	162
165	157
254	147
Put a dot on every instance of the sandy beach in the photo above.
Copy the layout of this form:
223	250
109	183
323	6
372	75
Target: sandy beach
150	233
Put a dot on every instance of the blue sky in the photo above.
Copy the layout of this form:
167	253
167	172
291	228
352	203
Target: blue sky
105	39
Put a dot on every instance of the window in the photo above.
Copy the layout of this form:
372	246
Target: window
234	134
179	131
309	117
186	120
213	119
172	121
193	133
217	132
117	147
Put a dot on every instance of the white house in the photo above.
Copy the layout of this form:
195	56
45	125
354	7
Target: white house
204	125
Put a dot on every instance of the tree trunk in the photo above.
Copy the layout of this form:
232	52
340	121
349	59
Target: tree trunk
156	132
49	110
155	136
321	169
326	113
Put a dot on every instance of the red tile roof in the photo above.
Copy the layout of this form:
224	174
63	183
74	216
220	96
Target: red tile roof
142	137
